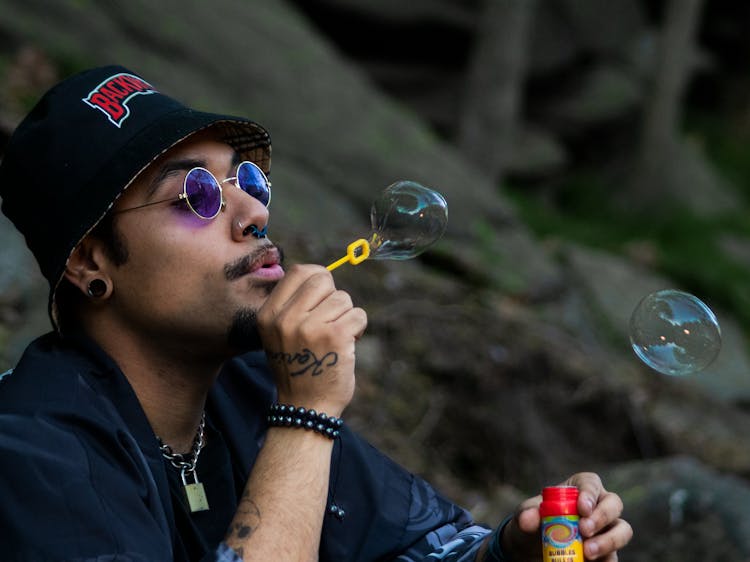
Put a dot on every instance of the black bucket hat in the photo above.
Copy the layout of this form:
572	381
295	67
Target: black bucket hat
81	146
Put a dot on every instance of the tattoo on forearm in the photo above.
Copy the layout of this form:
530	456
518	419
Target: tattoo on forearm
306	359
248	515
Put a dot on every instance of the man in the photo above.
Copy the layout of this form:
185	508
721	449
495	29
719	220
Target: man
187	405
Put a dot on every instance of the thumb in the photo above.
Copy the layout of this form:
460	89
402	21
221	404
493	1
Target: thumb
529	520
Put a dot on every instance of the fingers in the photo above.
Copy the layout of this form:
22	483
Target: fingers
607	510
590	487
307	299
605	545
601	547
598	507
303	286
354	321
528	517
601	527
309	330
331	307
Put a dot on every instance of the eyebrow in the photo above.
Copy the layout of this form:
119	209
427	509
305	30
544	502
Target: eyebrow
169	167
184	164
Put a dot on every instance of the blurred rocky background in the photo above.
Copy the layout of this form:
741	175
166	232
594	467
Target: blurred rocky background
591	152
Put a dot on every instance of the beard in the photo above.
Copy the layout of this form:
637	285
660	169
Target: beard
243	334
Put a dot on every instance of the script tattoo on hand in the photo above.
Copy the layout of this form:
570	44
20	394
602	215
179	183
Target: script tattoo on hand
306	359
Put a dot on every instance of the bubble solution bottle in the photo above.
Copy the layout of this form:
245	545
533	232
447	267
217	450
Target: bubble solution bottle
561	538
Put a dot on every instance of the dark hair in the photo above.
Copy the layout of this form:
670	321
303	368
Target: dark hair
114	243
69	297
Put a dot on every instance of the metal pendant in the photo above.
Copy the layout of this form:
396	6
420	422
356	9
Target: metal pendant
194	493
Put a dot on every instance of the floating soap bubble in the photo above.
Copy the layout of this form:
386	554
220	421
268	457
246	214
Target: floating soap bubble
406	219
674	333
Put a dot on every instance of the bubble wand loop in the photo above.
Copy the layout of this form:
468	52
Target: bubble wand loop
406	219
352	256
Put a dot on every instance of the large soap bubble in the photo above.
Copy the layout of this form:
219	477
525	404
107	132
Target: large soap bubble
675	333
406	219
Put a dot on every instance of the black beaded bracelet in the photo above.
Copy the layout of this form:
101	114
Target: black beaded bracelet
286	415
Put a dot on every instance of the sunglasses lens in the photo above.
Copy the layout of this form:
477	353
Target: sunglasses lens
203	193
252	181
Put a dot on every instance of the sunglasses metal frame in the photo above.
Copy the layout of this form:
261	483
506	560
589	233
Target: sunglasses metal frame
222	206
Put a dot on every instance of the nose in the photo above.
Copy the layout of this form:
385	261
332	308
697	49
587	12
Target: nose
249	216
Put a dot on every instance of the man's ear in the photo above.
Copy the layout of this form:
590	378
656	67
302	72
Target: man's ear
88	267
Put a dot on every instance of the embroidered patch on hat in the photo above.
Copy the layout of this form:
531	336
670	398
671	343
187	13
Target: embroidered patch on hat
111	97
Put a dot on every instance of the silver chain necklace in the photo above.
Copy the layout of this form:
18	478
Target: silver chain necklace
186	463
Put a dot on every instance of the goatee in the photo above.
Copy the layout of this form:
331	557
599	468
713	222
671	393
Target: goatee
243	332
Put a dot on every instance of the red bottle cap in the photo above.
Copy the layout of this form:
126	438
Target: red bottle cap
559	500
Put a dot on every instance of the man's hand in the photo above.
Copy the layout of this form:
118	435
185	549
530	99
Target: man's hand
602	529
309	330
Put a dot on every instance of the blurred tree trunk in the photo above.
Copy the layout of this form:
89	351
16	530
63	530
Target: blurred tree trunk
492	101
661	136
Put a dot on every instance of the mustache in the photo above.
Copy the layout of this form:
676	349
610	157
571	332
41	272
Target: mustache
242	265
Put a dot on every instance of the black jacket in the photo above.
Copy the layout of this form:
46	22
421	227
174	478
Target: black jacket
82	477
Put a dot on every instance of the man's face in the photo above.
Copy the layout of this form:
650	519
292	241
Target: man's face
191	283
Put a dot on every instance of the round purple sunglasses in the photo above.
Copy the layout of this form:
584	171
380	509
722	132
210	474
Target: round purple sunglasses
203	195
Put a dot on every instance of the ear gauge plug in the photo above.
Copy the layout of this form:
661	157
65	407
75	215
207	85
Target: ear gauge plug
96	288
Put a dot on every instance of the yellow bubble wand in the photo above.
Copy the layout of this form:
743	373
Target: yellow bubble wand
356	252
406	219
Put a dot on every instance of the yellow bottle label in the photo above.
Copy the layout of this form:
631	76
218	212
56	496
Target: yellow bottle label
561	540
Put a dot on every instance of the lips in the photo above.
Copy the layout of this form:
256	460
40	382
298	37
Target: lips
263	262
266	265
268	258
